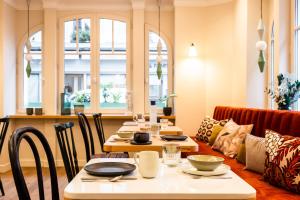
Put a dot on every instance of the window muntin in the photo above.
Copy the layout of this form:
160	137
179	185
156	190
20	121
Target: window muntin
157	88
77	59
113	64
32	86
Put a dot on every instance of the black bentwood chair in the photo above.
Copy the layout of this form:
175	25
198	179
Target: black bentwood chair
4	122
14	148
100	132
88	139
65	137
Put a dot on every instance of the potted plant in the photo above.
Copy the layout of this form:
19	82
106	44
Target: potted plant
167	110
80	99
286	93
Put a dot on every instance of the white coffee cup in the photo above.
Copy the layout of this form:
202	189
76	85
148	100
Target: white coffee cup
148	163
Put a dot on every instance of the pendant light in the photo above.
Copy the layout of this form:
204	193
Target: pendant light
261	45
159	47
28	56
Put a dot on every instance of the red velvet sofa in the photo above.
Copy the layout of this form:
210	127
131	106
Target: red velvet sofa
284	122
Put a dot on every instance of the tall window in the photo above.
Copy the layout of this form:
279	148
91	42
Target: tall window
112	64
157	88
272	59
297	40
95	62
77	57
32	86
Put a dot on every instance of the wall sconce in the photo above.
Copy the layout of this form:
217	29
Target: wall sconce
192	51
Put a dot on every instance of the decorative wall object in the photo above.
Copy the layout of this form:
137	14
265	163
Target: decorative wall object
28	44
261	45
159	47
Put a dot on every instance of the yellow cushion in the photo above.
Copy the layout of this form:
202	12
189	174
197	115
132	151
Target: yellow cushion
215	132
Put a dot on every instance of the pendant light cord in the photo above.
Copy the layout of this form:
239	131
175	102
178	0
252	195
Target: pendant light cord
28	7
159	17
261	9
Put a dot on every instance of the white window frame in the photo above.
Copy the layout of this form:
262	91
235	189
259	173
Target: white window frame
295	38
20	68
95	57
149	28
272	65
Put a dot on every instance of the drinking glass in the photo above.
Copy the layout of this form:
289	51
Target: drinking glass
164	123
155	128
171	154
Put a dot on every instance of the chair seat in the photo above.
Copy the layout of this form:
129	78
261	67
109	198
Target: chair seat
111	155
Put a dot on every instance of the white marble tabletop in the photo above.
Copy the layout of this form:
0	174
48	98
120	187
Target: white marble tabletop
171	183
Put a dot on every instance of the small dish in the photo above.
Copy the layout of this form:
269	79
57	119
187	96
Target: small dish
125	134
205	162
136	143
117	138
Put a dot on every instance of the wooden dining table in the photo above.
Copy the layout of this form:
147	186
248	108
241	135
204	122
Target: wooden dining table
114	145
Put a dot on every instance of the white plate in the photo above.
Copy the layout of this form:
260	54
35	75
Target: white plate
188	168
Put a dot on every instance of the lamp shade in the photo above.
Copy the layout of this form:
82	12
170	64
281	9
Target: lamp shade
192	51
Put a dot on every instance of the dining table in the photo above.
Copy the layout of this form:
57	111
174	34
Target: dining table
114	144
170	183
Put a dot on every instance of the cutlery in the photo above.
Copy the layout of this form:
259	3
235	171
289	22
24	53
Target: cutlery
212	177
114	179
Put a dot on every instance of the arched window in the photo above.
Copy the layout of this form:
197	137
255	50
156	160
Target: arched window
31	88
157	88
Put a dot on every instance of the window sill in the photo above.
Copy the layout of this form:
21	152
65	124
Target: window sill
104	117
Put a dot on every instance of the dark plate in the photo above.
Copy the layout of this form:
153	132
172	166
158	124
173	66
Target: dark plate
174	137
145	143
109	169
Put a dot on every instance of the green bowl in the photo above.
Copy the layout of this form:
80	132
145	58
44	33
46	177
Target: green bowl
205	162
125	134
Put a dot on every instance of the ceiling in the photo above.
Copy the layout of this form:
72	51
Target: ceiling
108	4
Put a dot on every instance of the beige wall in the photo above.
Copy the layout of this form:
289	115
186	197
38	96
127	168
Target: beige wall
1	56
205	81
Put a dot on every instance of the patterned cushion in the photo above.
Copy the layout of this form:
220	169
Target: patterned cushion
282	164
231	138
206	127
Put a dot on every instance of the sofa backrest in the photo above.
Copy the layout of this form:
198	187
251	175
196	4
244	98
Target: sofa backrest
283	122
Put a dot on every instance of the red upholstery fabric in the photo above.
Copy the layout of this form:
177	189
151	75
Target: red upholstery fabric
284	122
264	191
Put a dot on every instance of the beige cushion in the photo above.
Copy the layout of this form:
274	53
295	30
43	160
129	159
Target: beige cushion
231	138
255	153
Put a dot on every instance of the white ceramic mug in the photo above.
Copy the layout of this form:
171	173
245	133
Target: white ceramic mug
148	163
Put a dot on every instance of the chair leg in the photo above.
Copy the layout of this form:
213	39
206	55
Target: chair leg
1	188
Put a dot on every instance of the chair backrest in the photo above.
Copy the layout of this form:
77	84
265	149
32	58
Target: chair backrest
99	127
14	147
65	137
4	122
87	135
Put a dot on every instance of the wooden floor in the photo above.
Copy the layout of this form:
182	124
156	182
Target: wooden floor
31	180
